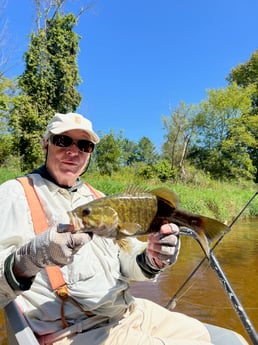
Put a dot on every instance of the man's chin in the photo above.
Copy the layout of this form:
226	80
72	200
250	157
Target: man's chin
68	178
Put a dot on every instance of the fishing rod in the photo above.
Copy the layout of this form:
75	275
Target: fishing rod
215	265
234	299
172	301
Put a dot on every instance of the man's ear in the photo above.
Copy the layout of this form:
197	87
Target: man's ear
45	144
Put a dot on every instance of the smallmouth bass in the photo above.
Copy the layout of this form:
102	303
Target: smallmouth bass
140	213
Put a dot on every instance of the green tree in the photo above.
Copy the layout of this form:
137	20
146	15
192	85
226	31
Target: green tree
180	126
108	153
129	152
51	75
146	152
244	75
224	137
6	91
49	82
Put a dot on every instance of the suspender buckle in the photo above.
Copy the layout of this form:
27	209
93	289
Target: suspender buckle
62	292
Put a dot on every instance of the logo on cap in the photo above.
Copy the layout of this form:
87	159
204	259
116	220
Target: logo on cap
77	119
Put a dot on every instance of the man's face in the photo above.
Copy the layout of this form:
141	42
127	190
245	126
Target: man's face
66	164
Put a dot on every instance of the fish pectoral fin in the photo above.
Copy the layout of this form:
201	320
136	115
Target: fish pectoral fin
75	221
129	229
125	245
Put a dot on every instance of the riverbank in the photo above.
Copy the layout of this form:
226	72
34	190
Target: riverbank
220	200
202	195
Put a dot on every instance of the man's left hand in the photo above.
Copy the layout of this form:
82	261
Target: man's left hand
163	246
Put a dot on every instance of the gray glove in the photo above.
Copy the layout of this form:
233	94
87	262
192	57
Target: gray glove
50	248
163	247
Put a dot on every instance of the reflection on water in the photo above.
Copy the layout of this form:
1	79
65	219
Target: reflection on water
204	297
2	329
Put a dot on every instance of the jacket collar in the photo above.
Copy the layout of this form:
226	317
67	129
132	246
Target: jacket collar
44	173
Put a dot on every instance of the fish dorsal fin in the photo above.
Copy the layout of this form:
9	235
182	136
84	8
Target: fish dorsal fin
134	190
167	195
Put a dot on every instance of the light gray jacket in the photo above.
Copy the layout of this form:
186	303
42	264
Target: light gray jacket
98	278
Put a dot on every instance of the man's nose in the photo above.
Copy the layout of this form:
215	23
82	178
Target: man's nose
73	148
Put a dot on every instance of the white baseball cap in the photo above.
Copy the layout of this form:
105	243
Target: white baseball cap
65	122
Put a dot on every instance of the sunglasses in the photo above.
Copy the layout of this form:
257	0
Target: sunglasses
66	141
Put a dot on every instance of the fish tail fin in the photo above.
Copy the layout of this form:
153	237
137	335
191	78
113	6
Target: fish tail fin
203	229
209	227
212	228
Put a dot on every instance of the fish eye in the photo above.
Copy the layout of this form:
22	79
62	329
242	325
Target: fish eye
86	212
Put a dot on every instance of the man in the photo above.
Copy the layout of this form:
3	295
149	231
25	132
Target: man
96	270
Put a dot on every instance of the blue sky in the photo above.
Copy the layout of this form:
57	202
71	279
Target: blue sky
139	58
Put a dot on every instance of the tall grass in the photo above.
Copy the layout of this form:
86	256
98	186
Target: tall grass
216	199
7	174
220	200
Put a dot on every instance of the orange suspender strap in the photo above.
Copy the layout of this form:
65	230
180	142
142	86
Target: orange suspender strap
94	191
40	224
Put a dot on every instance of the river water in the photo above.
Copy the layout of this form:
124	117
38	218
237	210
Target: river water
204	296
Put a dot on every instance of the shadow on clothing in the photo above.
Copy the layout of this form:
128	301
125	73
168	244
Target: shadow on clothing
223	336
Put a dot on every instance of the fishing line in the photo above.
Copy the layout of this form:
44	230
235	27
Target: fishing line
172	301
179	297
205	306
239	309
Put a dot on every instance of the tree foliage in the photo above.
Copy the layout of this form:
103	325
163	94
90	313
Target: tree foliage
224	137
180	126
48	84
129	152
108	153
146	151
6	92
114	152
51	75
246	75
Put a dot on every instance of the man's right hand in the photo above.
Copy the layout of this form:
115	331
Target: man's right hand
50	248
